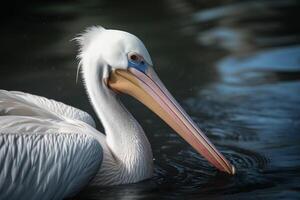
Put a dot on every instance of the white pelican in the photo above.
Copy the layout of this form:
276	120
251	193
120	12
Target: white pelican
49	150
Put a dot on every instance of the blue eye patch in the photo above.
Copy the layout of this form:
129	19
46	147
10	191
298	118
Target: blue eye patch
141	66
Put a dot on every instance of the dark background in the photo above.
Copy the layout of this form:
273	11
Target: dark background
233	65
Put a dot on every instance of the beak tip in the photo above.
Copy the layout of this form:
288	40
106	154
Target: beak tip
232	171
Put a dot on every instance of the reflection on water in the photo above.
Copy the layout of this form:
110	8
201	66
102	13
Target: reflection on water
243	26
237	67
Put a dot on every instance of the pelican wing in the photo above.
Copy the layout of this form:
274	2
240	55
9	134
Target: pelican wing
46	151
46	166
20	103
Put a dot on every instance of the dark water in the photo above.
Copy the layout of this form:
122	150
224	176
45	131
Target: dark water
233	65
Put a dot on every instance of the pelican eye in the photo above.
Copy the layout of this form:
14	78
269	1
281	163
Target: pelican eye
134	57
137	61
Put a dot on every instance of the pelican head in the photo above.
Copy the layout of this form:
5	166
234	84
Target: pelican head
124	66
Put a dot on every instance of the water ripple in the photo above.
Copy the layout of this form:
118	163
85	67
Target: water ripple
188	172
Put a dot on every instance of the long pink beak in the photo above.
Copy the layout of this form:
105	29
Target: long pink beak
148	89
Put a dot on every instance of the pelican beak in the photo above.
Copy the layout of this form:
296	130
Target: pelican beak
149	90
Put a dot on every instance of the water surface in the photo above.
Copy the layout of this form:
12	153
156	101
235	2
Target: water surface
233	65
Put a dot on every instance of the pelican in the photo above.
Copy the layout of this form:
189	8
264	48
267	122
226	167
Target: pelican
49	150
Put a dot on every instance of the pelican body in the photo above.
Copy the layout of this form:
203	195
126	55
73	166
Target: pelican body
49	150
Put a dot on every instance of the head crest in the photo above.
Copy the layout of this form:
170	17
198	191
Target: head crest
84	39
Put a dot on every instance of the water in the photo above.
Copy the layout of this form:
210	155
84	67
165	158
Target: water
233	65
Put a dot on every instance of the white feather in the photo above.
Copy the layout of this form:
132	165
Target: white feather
49	150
